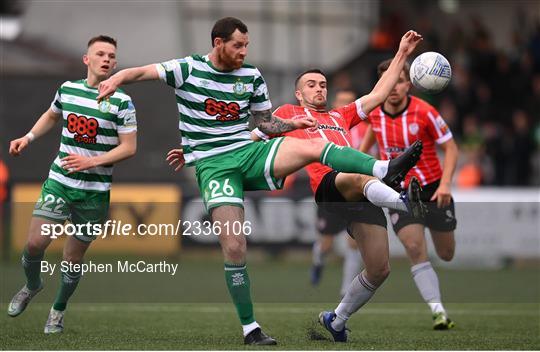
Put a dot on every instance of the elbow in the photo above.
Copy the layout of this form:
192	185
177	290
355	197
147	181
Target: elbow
132	151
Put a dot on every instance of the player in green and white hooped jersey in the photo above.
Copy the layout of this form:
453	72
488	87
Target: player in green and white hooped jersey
216	94
94	137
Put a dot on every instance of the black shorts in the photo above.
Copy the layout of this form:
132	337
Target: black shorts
329	224
438	219
329	200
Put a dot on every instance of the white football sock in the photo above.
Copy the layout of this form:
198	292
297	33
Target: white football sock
250	327
317	255
428	284
436	308
383	196
351	268
380	168
359	292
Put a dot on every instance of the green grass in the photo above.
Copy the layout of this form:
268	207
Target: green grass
496	310
214	326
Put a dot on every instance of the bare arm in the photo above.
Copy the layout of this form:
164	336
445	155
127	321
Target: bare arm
443	193
126	76
42	126
271	124
368	141
389	79
126	148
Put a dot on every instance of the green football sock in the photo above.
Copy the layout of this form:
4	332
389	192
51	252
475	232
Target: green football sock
346	159
68	284
32	269
237	279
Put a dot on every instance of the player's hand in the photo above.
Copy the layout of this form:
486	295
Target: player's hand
409	42
17	145
442	195
176	156
306	122
75	163
107	88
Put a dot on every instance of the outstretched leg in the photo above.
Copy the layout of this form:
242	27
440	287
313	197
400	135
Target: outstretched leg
293	154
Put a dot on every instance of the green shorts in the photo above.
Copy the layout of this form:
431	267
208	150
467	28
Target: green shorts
59	203
223	178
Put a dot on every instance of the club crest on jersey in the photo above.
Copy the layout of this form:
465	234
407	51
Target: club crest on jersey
104	106
239	88
414	128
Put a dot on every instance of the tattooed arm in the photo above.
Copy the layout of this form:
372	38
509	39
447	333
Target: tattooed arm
271	124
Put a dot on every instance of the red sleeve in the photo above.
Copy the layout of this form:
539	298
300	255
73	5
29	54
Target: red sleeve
436	126
352	113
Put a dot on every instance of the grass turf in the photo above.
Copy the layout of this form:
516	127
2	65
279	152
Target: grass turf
213	326
496	310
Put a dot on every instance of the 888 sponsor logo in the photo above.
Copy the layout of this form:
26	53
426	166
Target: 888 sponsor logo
224	111
85	129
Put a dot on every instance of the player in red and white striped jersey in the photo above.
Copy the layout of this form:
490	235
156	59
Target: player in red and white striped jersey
330	226
343	194
400	121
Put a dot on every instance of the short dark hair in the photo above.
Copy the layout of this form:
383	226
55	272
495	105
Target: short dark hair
225	27
102	38
312	70
383	66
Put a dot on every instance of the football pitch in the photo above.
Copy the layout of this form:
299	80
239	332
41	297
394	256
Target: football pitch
496	310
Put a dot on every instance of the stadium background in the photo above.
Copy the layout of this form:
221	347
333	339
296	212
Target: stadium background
491	106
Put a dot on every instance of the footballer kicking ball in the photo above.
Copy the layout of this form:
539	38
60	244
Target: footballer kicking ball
430	72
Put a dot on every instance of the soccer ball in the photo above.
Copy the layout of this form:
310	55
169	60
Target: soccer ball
430	72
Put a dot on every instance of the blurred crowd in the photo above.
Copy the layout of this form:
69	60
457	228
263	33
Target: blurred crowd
493	103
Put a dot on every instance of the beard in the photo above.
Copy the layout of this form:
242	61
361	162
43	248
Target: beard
319	103
229	61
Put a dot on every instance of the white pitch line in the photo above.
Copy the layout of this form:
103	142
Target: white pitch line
296	310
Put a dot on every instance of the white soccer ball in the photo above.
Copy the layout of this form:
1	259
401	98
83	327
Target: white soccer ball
430	72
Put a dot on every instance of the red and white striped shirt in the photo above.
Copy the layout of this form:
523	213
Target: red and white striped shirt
419	120
334	126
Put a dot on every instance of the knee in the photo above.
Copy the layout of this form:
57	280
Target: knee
414	250
234	251
446	254
314	148
34	248
379	274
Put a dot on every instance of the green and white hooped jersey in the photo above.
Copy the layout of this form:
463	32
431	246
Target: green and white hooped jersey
89	129
214	106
